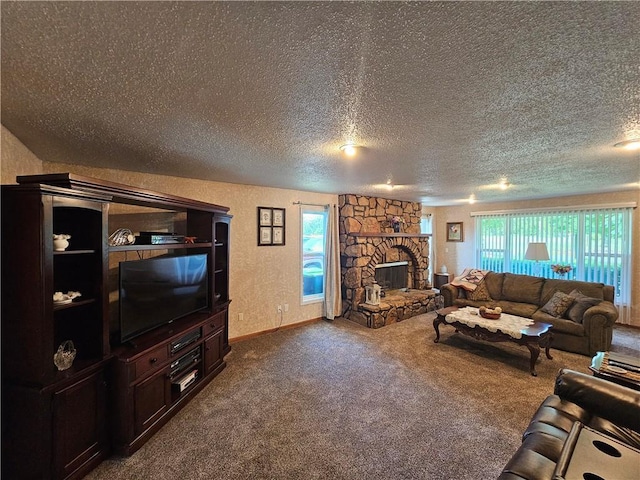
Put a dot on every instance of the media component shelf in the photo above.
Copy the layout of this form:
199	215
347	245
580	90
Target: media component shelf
157	375
55	421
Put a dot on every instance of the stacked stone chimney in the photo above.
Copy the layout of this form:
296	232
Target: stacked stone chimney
367	238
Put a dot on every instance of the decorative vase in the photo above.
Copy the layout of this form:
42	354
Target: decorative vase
396	227
61	242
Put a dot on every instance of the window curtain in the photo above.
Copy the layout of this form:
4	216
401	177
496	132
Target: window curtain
333	290
595	242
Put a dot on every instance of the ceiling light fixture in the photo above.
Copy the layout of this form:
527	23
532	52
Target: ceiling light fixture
472	199
504	184
631	144
349	149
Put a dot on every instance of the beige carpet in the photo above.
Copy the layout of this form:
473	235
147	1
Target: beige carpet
334	400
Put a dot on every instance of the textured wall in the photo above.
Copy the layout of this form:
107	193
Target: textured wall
458	255
16	159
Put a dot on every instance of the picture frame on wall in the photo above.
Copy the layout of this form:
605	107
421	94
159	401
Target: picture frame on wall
454	232
271	226
264	217
278	217
265	236
278	235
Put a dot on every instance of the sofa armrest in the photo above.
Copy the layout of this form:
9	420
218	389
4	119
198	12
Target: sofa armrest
601	315
450	293
616	403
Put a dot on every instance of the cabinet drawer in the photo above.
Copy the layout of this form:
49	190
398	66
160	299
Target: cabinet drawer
214	323
150	360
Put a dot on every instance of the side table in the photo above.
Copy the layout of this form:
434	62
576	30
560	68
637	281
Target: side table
440	279
617	368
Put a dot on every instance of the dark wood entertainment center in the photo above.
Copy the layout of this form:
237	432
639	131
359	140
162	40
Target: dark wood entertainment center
114	397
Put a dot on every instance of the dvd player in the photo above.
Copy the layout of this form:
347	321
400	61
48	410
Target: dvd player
185	382
185	340
183	362
158	238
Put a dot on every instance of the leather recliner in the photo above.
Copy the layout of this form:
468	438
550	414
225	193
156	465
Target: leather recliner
602	405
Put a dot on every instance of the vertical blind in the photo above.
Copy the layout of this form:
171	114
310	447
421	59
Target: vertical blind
595	243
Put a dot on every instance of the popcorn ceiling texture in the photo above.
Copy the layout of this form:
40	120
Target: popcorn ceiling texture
445	97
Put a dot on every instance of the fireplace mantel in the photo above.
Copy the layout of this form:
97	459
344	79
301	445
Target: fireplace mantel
387	235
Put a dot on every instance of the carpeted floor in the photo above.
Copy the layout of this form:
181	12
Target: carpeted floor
334	400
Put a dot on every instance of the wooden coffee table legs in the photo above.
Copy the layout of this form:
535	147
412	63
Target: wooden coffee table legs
440	318
534	348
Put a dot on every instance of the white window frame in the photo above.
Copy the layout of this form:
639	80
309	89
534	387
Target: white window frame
318	297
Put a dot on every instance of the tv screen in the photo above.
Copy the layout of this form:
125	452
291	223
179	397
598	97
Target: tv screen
159	290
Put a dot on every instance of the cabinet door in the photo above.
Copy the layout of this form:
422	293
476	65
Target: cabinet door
152	400
213	347
79	425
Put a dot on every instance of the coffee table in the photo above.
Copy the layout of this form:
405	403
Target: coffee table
508	328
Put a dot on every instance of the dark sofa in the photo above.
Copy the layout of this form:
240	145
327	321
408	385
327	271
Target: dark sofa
588	332
604	406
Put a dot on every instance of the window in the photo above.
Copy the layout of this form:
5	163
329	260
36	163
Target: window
314	226
596	243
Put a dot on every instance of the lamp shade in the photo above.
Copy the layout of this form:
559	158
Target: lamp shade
537	251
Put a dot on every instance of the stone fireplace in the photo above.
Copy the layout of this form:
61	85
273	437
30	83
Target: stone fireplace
367	240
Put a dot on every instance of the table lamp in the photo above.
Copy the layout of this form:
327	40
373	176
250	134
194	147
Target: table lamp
537	251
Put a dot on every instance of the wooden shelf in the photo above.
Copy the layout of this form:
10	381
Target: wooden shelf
75	252
166	246
79	303
394	234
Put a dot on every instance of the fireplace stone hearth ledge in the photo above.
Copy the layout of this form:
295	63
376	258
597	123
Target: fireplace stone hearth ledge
396	306
366	240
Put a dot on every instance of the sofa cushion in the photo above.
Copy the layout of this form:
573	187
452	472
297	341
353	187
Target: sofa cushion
532	460
516	308
522	288
558	304
481	293
560	325
494	283
580	305
555	417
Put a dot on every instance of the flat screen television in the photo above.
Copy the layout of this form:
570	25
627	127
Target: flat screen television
159	290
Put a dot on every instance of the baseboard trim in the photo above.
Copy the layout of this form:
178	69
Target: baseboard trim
271	330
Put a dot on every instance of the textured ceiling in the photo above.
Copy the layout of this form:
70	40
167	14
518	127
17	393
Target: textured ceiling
445	98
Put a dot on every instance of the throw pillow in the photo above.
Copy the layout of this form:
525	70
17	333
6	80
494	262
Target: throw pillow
559	303
580	305
480	294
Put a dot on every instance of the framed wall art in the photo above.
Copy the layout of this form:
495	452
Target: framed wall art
271	226
265	217
454	232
